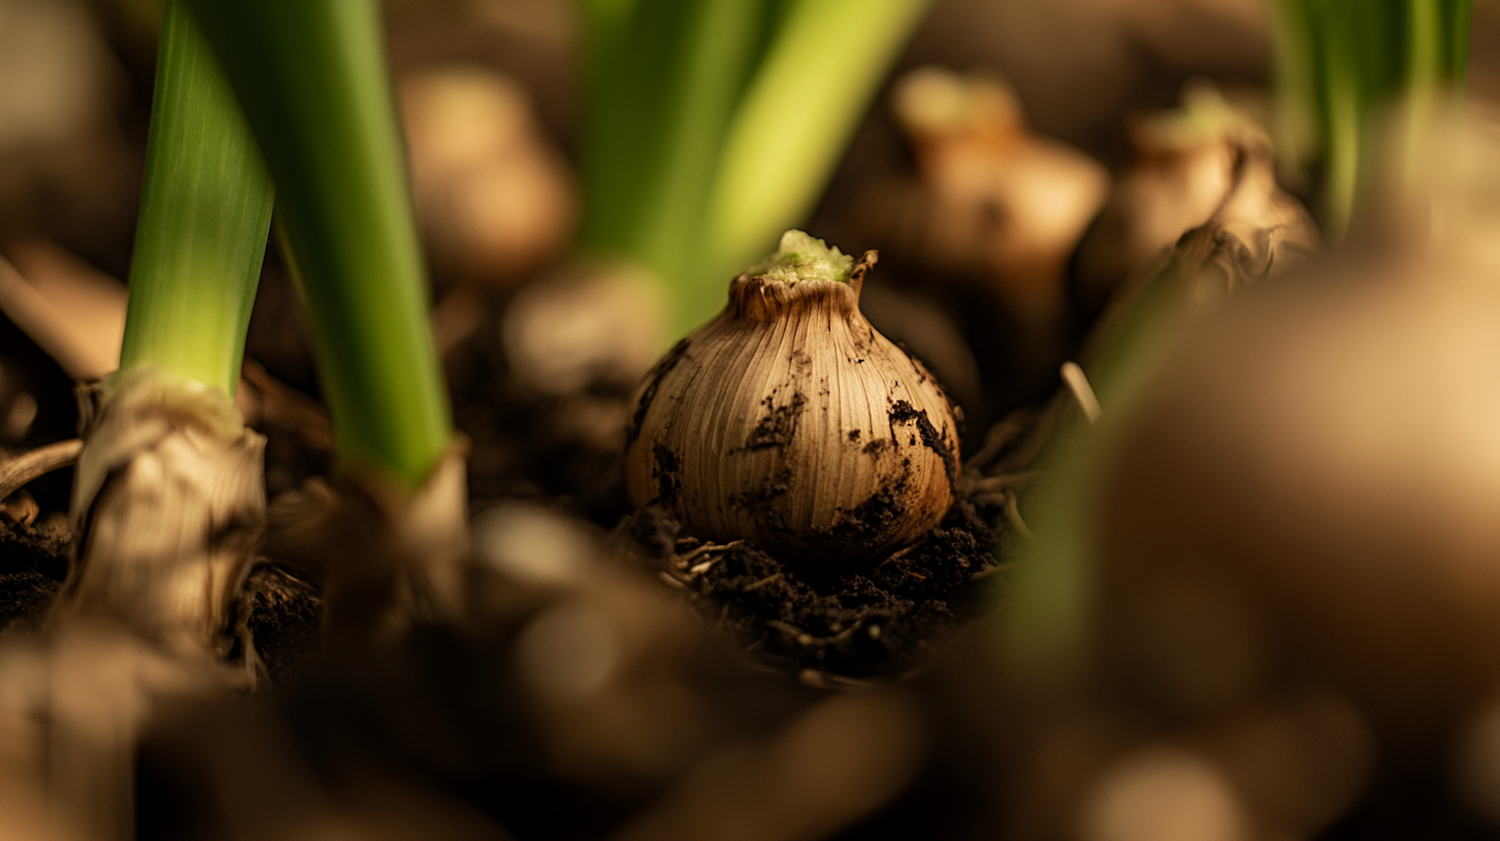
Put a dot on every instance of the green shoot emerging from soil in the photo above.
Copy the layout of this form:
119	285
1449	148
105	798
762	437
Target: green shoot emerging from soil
168	499
713	126
1339	63
804	259
803	105
662	80
313	82
205	213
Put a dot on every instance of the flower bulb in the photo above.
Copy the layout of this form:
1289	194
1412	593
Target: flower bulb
788	420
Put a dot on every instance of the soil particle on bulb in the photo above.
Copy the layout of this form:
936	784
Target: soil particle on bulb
667	470
778	426
653	384
869	518
757	500
903	412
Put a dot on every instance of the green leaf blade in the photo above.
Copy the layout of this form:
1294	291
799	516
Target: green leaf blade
205	214
313	81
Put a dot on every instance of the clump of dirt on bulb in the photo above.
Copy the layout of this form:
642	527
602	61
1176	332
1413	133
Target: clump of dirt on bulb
831	626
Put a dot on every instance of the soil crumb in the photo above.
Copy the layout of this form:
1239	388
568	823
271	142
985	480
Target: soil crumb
868	622
33	564
283	618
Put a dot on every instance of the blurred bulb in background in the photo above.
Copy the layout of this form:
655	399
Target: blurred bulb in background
495	200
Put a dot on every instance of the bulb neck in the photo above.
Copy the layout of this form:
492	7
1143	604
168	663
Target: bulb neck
758	295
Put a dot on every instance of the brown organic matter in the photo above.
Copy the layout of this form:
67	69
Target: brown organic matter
831	626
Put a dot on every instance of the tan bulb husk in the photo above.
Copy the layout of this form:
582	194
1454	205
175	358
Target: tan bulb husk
387	558
77	703
997	202
1258	232
1188	162
789	421
1323	454
168	509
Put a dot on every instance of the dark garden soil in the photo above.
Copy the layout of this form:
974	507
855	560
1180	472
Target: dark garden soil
566	449
278	611
829	626
872	622
281	615
33	563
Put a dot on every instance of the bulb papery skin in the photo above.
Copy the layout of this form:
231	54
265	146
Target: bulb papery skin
790	421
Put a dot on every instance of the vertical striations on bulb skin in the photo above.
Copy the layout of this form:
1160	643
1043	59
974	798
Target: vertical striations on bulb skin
790	421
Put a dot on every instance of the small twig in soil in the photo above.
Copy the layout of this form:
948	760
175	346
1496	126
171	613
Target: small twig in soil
684	561
802	637
18	470
289	408
763	582
1001	435
1003	482
989	571
673	582
1013	514
1083	393
844	634
899	553
716	549
819	680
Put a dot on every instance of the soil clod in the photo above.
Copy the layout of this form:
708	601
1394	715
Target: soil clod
843	624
